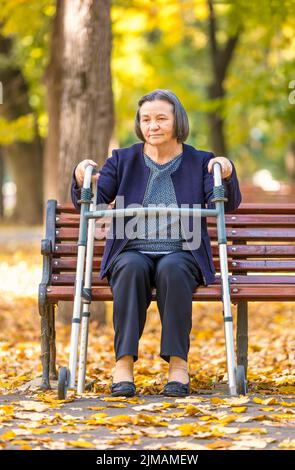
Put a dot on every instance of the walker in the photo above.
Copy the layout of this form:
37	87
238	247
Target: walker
67	376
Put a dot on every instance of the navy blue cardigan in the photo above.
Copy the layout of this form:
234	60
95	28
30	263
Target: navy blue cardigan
126	174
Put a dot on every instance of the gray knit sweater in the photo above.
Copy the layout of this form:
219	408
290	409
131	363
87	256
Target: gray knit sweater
150	229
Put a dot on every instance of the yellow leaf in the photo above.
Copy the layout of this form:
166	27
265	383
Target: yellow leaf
6	410
270	401
227	419
287	444
98	415
96	408
288	390
281	416
192	410
80	443
165	405
26	447
41	431
19	443
142	419
124	399
117	405
187	429
216	400
119	420
266	401
260	418
219	444
257	400
236	401
7	436
239	409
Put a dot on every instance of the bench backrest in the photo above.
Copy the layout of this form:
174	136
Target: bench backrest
261	242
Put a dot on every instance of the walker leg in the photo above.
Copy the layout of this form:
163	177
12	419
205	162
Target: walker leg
83	351
219	199
76	317
228	322
86	301
85	203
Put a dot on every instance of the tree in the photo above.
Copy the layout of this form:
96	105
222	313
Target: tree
23	56
87	117
86	105
22	153
53	79
220	57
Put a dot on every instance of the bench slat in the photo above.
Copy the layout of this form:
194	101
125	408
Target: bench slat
72	220
244	208
274	233
263	292
236	265
235	250
69	279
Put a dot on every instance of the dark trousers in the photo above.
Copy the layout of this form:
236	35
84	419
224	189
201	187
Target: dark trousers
132	277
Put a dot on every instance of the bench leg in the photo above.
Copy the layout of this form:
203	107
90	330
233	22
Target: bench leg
45	347
52	358
242	335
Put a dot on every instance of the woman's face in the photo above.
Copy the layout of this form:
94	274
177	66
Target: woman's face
157	122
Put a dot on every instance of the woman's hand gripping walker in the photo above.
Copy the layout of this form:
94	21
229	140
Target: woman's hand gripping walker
82	295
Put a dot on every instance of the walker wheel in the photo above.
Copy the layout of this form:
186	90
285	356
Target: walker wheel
241	381
63	376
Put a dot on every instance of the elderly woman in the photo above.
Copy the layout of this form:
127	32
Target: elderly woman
160	169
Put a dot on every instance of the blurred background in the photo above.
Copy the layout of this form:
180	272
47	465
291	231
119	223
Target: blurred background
72	72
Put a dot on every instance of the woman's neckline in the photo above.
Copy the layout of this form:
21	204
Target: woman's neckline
162	164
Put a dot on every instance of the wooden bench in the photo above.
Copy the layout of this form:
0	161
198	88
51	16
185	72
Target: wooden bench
252	193
261	254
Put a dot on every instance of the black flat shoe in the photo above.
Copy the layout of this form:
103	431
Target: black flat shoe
123	389
176	389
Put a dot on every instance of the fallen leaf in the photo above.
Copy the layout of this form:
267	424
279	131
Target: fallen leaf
287	444
80	443
239	409
219	444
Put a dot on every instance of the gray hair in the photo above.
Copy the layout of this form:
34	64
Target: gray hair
181	124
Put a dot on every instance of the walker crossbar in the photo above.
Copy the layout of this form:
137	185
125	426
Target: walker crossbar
236	375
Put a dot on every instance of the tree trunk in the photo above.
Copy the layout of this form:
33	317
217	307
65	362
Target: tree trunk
86	117
290	160
87	103
24	159
216	122
53	80
220	61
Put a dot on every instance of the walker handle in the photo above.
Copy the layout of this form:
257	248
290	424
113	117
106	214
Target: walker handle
217	174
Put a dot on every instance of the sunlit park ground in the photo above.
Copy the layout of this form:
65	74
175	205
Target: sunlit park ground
271	336
271	376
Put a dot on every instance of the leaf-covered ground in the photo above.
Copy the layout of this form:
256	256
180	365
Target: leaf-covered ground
207	419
